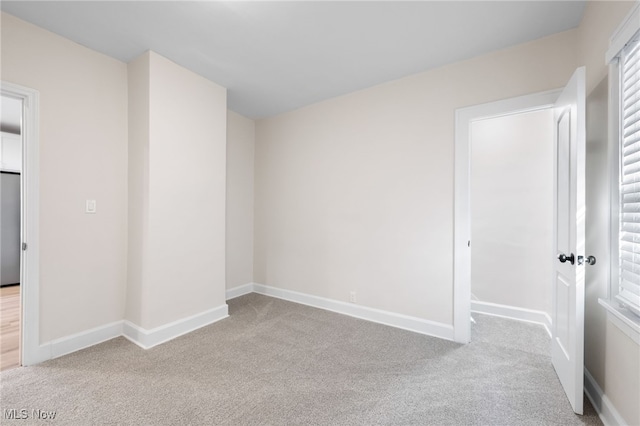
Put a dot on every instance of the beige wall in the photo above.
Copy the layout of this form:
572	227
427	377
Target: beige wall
622	373
183	237
83	154
356	193
240	164
611	357
511	209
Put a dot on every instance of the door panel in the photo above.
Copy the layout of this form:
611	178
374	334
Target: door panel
562	317
563	147
567	347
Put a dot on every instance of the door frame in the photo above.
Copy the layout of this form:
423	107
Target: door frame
31	352
462	206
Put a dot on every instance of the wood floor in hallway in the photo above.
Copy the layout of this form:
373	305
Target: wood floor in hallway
10	327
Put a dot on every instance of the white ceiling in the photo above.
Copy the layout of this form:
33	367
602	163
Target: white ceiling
277	56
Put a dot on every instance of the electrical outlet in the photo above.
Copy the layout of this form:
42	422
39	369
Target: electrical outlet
352	297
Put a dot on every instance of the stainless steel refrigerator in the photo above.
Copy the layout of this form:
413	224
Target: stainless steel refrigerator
9	228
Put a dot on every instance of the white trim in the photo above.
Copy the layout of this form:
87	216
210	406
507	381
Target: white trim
623	319
147	339
629	26
614	186
238	291
31	350
84	339
603	406
405	322
462	217
513	313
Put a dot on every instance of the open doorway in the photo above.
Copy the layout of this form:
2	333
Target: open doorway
31	351
511	215
511	220
10	230
465	117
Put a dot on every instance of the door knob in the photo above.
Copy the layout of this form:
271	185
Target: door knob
563	258
590	260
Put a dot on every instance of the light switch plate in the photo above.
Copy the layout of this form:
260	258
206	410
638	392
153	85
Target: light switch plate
90	206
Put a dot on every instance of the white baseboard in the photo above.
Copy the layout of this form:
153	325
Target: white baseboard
512	312
36	355
82	340
143	338
241	290
603	406
405	322
147	339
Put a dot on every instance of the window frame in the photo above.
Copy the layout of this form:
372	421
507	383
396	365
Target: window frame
626	320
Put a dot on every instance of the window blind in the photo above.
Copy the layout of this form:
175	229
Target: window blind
629	242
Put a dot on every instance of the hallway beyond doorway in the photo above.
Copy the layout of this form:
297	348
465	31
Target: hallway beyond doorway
10	327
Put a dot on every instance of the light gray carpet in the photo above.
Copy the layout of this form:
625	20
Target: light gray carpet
279	363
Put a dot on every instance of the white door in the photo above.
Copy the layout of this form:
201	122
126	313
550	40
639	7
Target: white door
567	346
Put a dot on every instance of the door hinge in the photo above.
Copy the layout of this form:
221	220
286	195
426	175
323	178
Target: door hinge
24	246
469	243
